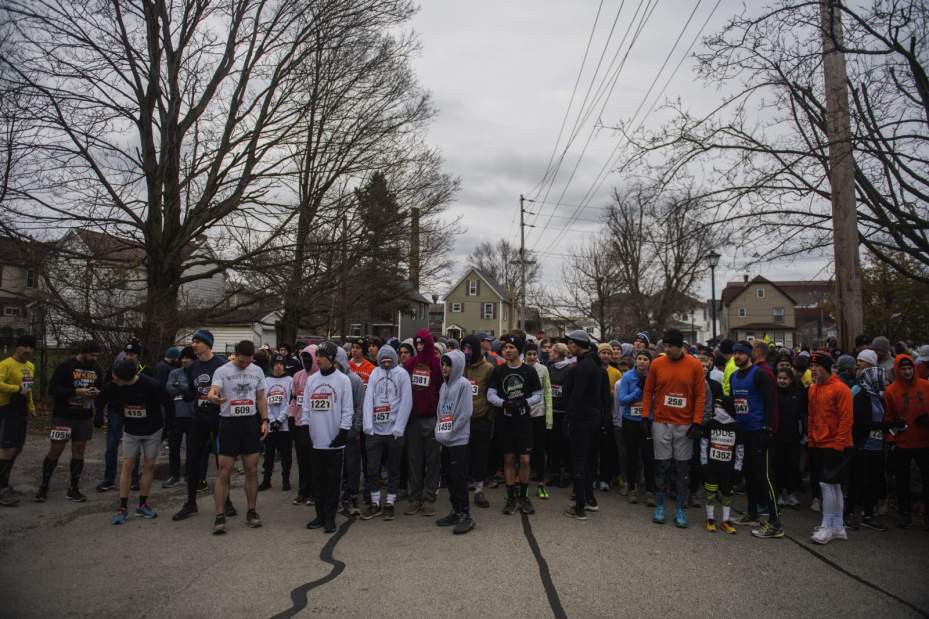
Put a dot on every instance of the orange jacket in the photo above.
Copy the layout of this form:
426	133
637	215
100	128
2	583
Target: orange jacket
908	401
675	391
831	415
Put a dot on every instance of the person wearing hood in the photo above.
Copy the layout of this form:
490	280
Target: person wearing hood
542	418
885	360
637	443
328	413
388	401
830	441
922	362
559	448
907	400
478	371
786	444
353	460
300	433
452	431
606	455
423	452
292	365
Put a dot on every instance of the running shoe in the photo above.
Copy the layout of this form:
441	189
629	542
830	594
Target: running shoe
447	521
75	495
41	494
542	492
680	518
748	520
7	497
230	509
389	512
413	509
300	500
202	487
525	506
822	535
510	506
768	531
186	511
465	523
710	525
874	523
315	523
792	501
371	510
105	486
603	486
145	511
121	516
170	482
816	505
353	507
726	526
428	509
650	499
839	533
658	517
592	504
219	524
252	519
571	512
480	500
329	527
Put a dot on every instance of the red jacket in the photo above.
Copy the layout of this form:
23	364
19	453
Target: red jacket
425	371
907	401
831	415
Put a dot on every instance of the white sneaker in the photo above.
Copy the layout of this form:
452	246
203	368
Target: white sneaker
792	500
882	508
839	533
815	505
822	535
781	501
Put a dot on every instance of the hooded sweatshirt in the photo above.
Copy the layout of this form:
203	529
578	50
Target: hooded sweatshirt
327	406
543	408
478	373
177	387
358	388
908	401
558	374
453	422
388	399
426	375
296	407
830	415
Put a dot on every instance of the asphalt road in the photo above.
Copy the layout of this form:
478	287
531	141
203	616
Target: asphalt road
62	559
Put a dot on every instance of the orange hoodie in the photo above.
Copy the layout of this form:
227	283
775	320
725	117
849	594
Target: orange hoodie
908	401
831	415
675	391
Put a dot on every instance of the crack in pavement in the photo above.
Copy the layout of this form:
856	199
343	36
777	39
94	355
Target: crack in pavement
554	601
300	595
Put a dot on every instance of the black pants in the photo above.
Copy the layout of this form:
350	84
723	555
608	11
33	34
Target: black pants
326	467
756	468
378	449
696	470
455	464
279	443
203	430
301	441
903	457
354	457
639	455
559	446
785	453
539	443
180	430
584	433
607	461
482	430
867	471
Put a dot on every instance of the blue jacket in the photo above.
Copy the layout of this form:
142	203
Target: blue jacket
628	393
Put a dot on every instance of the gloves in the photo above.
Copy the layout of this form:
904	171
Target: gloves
923	420
340	439
352	435
509	407
518	407
694	431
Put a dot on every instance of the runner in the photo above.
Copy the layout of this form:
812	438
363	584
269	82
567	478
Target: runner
238	389
177	387
787	448
588	397
205	425
139	398
132	351
672	405
75	384
868	431
641	342
353	445
17	376
559	460
721	456
515	388
387	405
478	372
301	433
358	364
907	400
374	346
452	430
638	444
423	452
541	417
291	364
405	352
327	412
607	458
278	392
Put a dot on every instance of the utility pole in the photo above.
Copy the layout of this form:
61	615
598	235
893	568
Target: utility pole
520	318
850	313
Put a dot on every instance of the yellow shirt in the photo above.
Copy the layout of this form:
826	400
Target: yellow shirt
807	378
615	376
12	376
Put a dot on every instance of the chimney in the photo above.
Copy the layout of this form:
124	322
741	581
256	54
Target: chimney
745	278
414	247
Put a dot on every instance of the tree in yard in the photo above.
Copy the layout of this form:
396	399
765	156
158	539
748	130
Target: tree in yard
895	305
500	261
592	283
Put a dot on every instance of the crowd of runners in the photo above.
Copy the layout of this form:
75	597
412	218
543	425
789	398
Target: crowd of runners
374	423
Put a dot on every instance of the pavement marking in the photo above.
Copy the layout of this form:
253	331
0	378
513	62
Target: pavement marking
299	596
550	591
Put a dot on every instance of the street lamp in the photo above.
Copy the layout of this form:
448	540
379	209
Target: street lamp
713	259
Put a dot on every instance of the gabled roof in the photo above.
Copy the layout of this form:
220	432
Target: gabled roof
105	246
734	289
493	284
23	253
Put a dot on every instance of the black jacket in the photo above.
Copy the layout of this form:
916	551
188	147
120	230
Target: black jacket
587	390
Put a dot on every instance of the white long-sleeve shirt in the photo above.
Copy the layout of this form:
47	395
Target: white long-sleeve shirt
327	407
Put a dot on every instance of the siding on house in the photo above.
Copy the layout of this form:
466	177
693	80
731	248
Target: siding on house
471	319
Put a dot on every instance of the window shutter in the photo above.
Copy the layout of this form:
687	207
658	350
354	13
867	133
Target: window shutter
477	288
495	311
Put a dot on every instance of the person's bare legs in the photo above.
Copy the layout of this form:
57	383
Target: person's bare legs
221	487
250	463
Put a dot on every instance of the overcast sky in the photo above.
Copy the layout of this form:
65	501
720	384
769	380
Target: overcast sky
502	75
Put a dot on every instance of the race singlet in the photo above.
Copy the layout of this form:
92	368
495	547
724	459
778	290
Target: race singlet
382	413
60	433
741	406
134	411
675	401
241	408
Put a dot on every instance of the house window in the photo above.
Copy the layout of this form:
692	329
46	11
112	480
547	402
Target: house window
778	313
11	310
457	308
742	312
472	287
760	293
589	330
488	311
30	279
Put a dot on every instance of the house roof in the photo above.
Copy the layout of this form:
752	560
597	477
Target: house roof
410	293
242	316
105	246
734	289
779	326
492	283
22	253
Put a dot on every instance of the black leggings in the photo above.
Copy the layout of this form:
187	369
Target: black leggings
479	446
280	442
326	467
200	441
639	454
584	435
903	459
559	447
760	488
785	453
867	471
539	442
301	439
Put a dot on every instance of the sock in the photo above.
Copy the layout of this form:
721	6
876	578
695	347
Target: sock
660	499
143	499
478	486
826	504
48	467
727	513
840	507
376	497
511	492
76	467
5	467
124	502
710	511
523	490
391	498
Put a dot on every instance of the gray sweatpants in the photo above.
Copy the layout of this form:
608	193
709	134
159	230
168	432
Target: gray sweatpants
424	458
671	444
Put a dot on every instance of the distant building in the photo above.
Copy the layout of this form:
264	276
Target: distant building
21	310
476	304
256	325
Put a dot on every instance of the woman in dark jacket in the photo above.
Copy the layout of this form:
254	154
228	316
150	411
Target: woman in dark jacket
787	448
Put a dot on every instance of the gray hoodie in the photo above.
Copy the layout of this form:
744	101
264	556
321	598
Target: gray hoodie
358	388
453	421
388	399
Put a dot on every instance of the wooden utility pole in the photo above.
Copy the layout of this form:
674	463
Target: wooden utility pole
850	314
520	318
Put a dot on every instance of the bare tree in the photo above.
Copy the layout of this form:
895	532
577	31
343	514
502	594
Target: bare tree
501	263
592	283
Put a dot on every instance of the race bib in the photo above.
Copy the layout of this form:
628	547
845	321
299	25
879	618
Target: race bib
275	399
134	411
636	410
741	406
474	388
321	402
420	378
60	433
381	414
241	408
445	424
877	435
27	383
556	391
300	400
202	400
720	453
675	401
